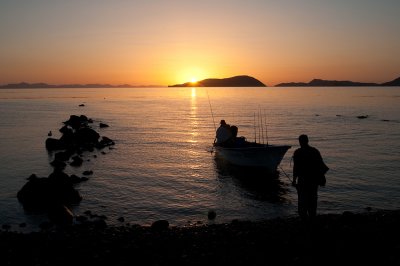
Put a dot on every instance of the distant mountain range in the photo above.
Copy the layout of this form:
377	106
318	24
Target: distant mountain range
24	85
237	81
337	83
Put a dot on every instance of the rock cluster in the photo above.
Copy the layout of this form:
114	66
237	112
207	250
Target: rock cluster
77	137
55	194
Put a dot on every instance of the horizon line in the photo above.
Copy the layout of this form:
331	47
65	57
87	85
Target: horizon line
127	85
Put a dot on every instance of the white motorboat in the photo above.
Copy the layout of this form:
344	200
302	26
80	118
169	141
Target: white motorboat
253	155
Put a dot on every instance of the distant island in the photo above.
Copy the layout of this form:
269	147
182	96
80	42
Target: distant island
25	85
337	83
237	81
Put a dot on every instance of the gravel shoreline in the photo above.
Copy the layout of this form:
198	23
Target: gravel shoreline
369	238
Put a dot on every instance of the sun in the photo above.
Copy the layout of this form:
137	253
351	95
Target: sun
193	80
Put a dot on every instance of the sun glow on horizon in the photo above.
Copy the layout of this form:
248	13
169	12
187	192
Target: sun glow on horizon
193	80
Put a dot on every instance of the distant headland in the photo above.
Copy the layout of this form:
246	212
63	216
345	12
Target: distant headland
337	83
237	81
25	85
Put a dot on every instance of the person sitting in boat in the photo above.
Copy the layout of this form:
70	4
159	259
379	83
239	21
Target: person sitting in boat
223	135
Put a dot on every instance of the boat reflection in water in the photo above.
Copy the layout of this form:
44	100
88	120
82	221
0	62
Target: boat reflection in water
258	183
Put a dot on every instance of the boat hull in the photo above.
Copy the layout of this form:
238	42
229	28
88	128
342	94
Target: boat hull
263	156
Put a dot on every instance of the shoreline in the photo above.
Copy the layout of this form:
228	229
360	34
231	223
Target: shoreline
369	238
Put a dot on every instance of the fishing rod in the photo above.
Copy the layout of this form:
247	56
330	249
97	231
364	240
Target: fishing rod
212	114
255	131
261	125
266	128
291	181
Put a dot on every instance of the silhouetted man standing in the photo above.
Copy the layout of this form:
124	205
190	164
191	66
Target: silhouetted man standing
309	171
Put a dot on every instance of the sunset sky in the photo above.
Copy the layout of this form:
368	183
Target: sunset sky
162	42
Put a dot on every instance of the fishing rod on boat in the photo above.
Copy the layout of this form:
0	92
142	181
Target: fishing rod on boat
266	128
255	131
261	125
212	114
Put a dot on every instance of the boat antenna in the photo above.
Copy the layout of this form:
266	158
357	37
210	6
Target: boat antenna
266	128
212	114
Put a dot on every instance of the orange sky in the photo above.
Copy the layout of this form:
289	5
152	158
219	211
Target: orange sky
168	42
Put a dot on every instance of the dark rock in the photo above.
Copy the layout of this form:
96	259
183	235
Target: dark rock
103	125
90	172
76	161
81	219
44	193
60	214
76	179
6	227
105	141
46	225
55	144
32	176
99	224
22	225
160	225
86	135
49	134
63	155
77	122
362	116
58	164
81	105
121	219
211	215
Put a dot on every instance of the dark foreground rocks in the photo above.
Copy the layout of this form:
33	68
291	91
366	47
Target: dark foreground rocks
371	238
56	193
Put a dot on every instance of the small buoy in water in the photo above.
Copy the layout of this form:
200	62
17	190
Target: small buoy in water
211	215
49	134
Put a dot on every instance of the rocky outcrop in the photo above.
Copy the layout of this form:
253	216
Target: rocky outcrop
77	136
56	194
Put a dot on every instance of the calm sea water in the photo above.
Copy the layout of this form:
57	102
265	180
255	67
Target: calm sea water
161	167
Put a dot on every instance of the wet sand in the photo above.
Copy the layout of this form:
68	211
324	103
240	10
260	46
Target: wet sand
369	238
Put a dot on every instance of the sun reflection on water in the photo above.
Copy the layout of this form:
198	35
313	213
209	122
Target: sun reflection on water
193	117
194	93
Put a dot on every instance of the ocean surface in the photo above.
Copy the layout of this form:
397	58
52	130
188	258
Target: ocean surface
161	166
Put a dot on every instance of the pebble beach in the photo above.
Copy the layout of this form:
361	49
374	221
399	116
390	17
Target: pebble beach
367	238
